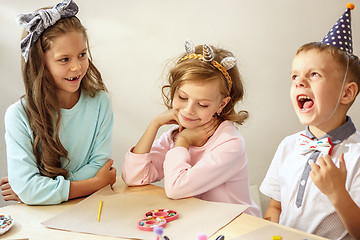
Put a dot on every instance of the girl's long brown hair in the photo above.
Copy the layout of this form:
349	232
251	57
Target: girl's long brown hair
41	102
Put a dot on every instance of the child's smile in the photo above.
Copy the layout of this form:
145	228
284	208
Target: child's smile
189	119
73	78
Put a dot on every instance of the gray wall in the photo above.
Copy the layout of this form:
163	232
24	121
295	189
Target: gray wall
131	42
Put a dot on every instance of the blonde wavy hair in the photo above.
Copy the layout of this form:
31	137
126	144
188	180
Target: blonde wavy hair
41	102
195	70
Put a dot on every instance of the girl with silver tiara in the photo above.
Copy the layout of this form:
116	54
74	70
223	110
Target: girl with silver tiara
204	155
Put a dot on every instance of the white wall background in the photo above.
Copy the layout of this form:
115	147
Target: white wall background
131	42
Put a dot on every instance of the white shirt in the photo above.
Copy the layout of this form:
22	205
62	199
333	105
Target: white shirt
316	215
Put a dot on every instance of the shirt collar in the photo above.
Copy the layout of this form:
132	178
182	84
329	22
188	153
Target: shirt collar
338	134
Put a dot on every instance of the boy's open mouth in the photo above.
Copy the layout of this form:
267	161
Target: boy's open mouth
305	102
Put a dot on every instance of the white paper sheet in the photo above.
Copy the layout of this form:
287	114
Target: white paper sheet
121	211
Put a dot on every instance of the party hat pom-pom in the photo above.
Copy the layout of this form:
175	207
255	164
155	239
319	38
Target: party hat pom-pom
202	236
158	230
208	53
350	6
189	47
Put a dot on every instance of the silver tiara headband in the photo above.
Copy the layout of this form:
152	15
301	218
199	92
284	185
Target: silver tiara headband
208	56
36	22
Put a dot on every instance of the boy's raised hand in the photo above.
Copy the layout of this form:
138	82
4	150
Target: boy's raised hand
197	136
331	181
329	178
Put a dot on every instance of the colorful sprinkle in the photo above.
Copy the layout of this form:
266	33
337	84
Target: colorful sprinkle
6	223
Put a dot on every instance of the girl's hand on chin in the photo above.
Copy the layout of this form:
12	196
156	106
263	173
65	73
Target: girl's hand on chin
197	136
167	117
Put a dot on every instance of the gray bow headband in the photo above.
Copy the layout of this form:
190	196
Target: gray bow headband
36	22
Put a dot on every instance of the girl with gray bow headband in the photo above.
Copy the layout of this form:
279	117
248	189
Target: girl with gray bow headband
59	134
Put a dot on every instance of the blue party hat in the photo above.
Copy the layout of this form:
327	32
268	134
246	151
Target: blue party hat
340	34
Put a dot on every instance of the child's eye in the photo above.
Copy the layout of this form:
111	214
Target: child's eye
314	74
294	77
82	55
64	59
202	105
182	98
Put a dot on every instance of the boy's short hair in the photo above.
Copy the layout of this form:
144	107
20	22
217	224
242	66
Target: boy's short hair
340	56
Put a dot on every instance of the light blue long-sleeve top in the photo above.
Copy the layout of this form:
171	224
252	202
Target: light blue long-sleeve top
85	132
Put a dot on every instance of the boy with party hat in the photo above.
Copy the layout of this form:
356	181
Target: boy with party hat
314	178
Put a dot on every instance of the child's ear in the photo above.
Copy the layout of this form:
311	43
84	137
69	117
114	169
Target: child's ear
225	101
350	91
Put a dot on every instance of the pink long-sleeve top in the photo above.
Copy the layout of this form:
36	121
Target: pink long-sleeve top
216	171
